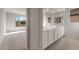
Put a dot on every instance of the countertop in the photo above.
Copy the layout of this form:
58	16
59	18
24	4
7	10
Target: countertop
48	28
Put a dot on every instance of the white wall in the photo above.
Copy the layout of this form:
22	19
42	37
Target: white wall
11	21
44	20
21	11
2	23
45	16
35	28
59	14
73	30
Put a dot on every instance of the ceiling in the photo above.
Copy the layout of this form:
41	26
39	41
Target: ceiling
53	10
72	8
21	11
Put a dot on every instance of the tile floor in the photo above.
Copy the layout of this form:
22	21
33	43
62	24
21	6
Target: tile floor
65	43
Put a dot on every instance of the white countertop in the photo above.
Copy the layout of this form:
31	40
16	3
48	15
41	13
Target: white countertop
49	28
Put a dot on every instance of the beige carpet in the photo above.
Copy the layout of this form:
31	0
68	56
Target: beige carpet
65	43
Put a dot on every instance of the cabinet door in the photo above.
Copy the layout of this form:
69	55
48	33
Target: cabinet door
62	30
59	32
44	39
50	37
55	32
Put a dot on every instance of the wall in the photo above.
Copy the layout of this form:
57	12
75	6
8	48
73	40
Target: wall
45	16
10	21
2	23
34	28
44	20
66	20
21	11
59	14
71	29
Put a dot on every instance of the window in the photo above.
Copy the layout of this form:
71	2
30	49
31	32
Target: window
20	21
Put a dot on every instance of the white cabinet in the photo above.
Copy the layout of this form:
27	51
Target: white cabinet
55	32
60	31
48	37
51	35
51	38
44	40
